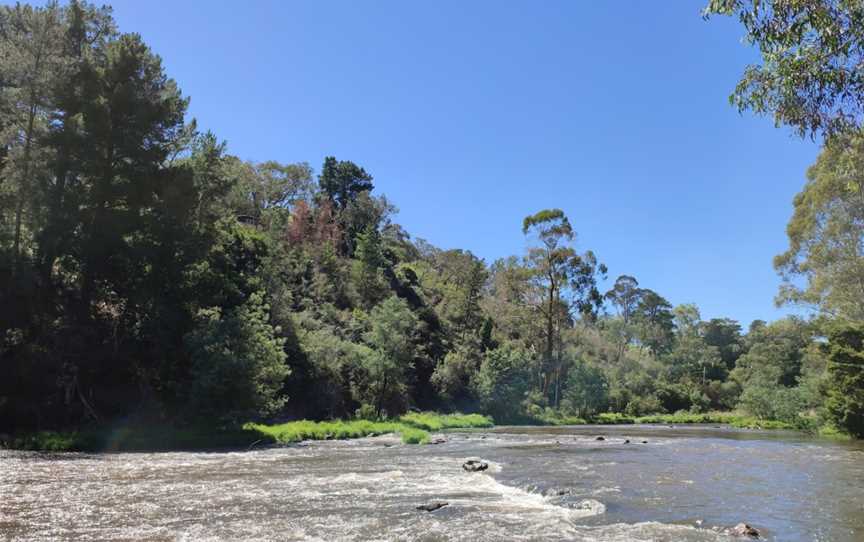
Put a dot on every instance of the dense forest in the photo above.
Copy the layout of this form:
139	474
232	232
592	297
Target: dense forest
146	272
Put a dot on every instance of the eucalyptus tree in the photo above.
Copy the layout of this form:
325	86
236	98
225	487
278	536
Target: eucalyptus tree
812	72
656	322
826	234
625	295
564	281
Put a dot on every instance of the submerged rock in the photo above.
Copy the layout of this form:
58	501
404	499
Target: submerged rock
432	506
644	442
472	465
627	441
557	492
742	529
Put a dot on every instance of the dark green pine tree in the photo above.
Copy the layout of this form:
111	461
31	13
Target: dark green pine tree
342	181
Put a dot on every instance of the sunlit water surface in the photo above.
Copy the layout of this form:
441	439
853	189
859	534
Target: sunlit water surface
684	484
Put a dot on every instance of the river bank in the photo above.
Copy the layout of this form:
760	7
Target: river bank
412	428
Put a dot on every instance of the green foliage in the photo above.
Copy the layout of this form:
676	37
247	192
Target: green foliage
613	418
845	403
502	382
562	280
392	326
826	232
336	430
414	436
810	77
431	421
238	362
413	428
587	390
343	181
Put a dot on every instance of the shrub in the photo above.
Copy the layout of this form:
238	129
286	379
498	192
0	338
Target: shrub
502	382
238	362
845	404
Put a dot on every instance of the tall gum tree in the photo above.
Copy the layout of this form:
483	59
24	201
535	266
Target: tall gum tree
826	234
564	281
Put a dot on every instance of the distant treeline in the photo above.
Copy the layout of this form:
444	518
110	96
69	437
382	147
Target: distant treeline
146	272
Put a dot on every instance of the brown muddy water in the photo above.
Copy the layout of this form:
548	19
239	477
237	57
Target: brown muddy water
686	484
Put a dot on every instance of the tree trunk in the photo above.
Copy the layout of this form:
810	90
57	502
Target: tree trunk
19	207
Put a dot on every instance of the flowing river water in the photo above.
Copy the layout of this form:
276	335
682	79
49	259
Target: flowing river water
687	483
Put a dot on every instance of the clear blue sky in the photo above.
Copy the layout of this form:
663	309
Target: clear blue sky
471	115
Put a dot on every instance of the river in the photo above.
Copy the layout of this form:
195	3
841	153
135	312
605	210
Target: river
685	483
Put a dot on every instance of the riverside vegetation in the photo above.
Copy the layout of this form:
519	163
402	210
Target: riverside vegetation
154	284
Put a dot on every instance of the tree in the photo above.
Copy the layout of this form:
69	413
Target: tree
265	192
725	335
31	59
369	267
625	295
775	354
556	269
238	362
392	326
587	390
342	181
503	381
656	322
812	52
826	234
691	359
845	403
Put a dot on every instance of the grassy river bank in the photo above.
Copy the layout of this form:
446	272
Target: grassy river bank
412	428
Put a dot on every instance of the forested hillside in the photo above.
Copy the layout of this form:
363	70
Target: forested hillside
145	271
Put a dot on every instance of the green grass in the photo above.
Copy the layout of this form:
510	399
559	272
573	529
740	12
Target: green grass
830	431
431	421
728	418
679	418
613	418
414	428
330	430
411	435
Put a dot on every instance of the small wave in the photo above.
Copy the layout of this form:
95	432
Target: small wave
529	499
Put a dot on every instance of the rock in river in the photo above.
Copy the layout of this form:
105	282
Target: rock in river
742	529
473	465
600	438
432	506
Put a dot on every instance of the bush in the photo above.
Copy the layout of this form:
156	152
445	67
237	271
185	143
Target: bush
238	362
673	397
366	412
587	390
640	406
502	382
845	404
